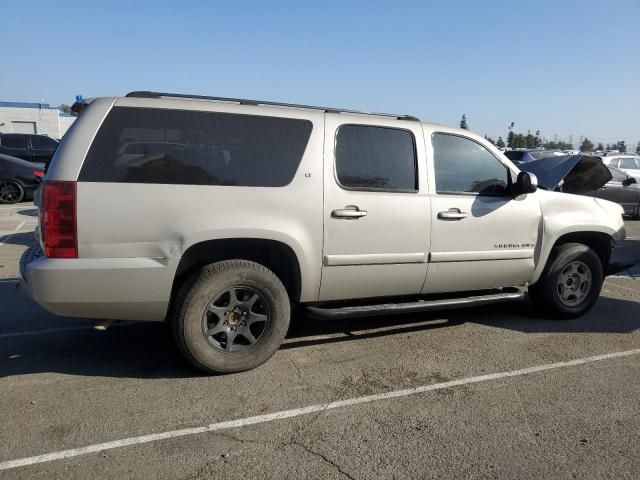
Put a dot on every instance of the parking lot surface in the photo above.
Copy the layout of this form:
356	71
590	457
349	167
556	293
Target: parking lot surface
495	392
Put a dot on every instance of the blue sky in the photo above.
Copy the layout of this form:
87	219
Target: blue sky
564	67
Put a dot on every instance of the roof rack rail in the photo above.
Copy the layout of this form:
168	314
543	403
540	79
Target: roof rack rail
243	101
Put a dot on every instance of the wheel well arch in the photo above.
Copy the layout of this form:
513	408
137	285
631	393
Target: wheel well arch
276	256
599	242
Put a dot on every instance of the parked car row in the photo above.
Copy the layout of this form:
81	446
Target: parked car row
629	164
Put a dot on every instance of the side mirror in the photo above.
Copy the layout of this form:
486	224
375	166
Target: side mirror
526	183
629	181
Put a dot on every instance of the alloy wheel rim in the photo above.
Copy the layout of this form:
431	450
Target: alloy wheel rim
235	319
9	192
574	283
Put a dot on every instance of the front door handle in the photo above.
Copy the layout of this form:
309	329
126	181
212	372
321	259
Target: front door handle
350	212
452	214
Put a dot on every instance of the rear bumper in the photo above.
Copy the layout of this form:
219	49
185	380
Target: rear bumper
106	288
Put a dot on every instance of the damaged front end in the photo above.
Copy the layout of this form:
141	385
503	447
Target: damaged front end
578	174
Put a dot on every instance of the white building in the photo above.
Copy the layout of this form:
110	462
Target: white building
40	118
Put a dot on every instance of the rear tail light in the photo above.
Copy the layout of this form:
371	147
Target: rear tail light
39	173
59	233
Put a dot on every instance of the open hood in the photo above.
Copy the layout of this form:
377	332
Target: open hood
569	173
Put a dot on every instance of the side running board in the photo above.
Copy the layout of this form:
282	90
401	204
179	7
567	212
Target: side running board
337	313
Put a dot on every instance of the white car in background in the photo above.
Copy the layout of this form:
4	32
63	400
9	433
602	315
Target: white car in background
629	164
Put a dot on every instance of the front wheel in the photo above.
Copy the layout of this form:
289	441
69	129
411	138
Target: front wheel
232	316
570	283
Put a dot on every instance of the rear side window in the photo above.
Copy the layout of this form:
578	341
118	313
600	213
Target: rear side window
138	145
628	163
14	141
40	142
376	158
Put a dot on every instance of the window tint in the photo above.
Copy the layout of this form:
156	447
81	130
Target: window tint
14	141
514	155
462	165
137	145
43	143
376	158
628	163
618	176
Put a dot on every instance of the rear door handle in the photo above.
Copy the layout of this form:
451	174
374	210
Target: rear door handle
350	212
452	214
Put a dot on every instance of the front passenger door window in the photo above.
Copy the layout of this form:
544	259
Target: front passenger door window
463	166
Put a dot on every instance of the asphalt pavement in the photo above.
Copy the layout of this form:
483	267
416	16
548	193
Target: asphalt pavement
494	392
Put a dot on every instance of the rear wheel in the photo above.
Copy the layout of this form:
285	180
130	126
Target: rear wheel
11	192
637	214
231	317
570	283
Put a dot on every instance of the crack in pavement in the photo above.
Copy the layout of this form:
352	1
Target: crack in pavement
323	457
204	470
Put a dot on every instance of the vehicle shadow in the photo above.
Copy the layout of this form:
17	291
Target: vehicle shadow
23	238
609	315
29	212
627	255
147	350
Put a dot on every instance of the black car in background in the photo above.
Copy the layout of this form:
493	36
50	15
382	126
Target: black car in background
622	189
18	179
33	148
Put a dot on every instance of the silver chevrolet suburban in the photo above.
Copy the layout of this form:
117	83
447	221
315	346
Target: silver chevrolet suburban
220	215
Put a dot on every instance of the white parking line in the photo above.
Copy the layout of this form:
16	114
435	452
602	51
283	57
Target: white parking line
297	412
15	230
623	287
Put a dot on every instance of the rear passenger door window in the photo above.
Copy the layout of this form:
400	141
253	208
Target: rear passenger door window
463	166
142	145
40	142
17	142
376	158
629	163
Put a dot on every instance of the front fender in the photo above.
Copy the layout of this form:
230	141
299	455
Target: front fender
565	214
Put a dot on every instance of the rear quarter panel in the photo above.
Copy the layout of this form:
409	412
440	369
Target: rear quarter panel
119	220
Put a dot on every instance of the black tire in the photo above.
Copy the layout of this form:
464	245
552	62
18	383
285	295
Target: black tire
637	215
545	294
11	192
198	295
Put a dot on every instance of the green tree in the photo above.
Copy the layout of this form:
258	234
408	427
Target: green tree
530	140
600	146
622	146
486	137
463	122
519	141
510	138
500	143
587	145
64	108
638	148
